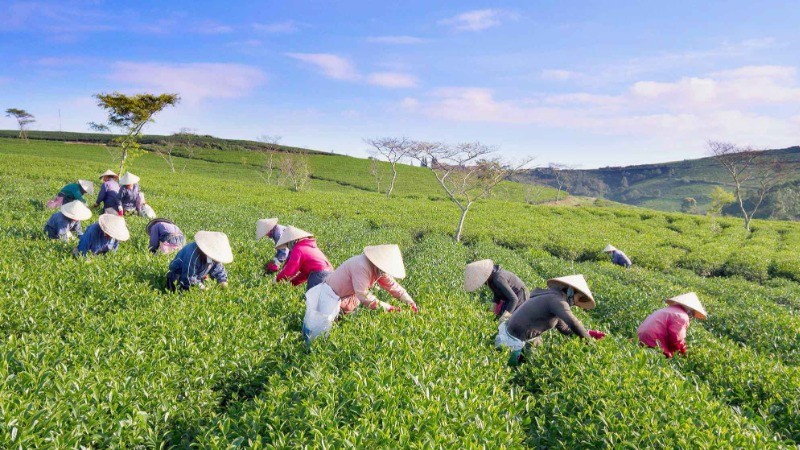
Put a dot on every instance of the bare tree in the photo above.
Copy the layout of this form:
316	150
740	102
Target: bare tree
24	118
534	193
561	175
376	172
164	150
393	150
269	162
745	165
466	172
187	137
295	170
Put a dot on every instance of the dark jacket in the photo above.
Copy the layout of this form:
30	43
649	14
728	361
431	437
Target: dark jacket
546	309
509	291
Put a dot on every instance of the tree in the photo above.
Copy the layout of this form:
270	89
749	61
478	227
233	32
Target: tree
24	118
719	199
465	171
559	172
129	114
295	170
392	150
268	165
744	164
376	172
689	205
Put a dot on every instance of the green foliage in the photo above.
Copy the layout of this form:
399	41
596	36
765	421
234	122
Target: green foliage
719	199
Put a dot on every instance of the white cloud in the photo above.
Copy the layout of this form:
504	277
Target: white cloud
195	82
477	20
212	27
397	40
286	26
561	75
392	79
333	66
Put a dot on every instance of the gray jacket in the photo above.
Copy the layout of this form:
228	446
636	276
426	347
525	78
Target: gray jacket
546	309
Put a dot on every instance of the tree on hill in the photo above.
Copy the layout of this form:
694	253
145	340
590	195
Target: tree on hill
393	150
272	142
129	114
744	164
24	118
467	172
689	205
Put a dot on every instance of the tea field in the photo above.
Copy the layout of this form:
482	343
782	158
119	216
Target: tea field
95	354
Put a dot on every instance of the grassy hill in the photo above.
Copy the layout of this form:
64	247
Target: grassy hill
96	354
664	186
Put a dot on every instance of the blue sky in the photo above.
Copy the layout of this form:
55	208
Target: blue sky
584	83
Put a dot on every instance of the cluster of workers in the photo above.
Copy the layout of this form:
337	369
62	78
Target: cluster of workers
524	316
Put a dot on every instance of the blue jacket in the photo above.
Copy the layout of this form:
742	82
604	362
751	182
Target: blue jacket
129	198
191	265
109	195
58	225
96	241
620	259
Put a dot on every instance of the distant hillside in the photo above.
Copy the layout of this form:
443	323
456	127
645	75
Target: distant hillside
664	186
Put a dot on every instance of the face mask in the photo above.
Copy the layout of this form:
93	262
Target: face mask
570	296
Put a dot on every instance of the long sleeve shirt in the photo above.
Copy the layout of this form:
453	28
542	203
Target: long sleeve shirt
665	328
545	310
109	195
191	266
72	192
509	291
353	280
281	255
129	198
161	232
60	226
95	241
304	258
620	259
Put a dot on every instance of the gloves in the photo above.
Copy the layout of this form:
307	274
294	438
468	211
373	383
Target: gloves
414	307
224	285
497	308
271	268
668	354
597	334
393	309
682	348
406	298
120	212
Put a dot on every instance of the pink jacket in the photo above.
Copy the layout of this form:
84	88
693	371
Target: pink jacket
304	258
352	282
665	328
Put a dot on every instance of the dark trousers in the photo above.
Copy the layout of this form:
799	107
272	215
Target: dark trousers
315	278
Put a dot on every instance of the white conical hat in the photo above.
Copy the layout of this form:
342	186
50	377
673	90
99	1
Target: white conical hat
690	300
114	226
76	210
128	178
578	283
476	273
291	234
215	245
387	258
609	248
108	173
87	186
264	226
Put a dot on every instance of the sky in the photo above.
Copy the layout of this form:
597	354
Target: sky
583	83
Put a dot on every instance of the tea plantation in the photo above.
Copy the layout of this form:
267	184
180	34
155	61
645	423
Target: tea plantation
95	353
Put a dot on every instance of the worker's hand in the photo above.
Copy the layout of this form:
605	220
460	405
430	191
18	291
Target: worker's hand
393	309
414	307
120	212
682	349
497	308
224	285
201	286
406	298
597	334
668	354
271	268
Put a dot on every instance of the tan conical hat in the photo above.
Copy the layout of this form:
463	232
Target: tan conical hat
128	178
690	300
215	245
114	226
264	226
76	210
578	283
476	273
108	173
87	186
609	248
387	258
291	234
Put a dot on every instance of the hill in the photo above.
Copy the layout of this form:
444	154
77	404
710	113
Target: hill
97	354
664	186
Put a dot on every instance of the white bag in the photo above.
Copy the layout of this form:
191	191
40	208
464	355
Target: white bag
504	339
322	308
147	211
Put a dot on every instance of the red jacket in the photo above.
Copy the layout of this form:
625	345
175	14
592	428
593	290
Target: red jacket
304	258
665	328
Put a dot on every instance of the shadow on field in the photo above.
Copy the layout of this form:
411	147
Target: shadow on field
156	280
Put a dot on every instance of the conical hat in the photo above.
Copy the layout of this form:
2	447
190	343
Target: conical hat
114	226
291	234
87	186
215	245
476	273
578	283
387	258
264	226
128	178
109	173
690	300
153	222
76	210
609	248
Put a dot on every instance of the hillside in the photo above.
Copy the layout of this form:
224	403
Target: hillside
664	186
97	354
